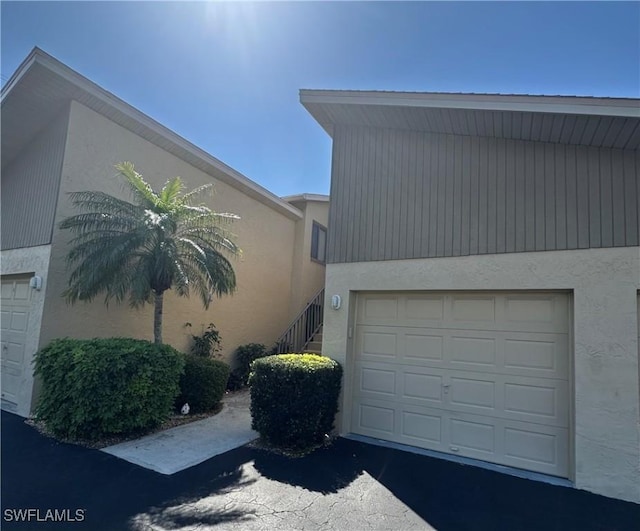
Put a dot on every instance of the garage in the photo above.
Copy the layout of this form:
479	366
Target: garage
16	310
483	375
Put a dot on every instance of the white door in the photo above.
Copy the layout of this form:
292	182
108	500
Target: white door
480	375
16	308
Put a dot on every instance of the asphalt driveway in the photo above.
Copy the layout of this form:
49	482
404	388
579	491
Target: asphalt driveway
350	486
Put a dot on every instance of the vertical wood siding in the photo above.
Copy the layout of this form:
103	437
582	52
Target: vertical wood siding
30	185
399	194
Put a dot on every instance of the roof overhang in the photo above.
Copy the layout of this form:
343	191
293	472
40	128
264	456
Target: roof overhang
42	86
601	122
299	198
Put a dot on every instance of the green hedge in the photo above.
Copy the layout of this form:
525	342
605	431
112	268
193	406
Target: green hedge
203	383
294	398
245	355
99	387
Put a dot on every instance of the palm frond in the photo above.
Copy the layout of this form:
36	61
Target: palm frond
171	192
214	237
137	186
92	200
96	221
156	242
187	198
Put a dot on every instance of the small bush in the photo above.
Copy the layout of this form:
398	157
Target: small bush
99	387
294	399
244	356
235	382
206	344
203	383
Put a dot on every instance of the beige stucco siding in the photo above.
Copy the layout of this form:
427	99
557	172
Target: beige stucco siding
308	275
256	313
604	284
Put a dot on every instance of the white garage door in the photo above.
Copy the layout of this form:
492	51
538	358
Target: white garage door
480	375
16	307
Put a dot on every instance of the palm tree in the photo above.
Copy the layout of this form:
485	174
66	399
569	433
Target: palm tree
143	248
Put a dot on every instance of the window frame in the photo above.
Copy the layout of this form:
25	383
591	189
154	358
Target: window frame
315	238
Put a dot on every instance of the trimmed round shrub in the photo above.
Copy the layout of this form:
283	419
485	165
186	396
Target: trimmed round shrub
99	387
244	356
203	383
294	399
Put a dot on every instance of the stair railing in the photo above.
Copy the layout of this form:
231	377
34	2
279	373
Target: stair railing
301	331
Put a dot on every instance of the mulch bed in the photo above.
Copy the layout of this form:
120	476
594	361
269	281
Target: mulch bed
172	422
260	444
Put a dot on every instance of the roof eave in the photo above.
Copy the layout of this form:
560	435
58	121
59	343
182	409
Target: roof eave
234	178
622	107
320	198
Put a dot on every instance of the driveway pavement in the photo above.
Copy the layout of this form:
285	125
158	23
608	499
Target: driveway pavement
349	486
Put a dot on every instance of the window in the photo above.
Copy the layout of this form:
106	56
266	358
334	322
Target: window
318	243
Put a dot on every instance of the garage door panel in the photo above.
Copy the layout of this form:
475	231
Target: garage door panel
539	355
16	292
379	381
14	321
379	309
389	344
412	385
422	387
11	370
473	351
423	347
379	343
542	449
420	309
5	316
474	436
375	418
483	375
401	423
527	354
537	400
518	398
14	354
524	312
546	312
473	393
473	308
531	446
422	427
7	291
22	292
532	353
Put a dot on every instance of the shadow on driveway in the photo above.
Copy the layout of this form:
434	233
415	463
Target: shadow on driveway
350	486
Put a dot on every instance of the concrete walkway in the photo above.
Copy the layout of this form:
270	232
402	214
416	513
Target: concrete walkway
178	448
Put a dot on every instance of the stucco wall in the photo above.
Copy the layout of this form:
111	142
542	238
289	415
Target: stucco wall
604	283
308	275
255	313
29	261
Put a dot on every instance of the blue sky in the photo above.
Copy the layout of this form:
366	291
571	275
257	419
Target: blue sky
226	75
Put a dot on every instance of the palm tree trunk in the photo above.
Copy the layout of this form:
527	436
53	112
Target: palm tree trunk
157	319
